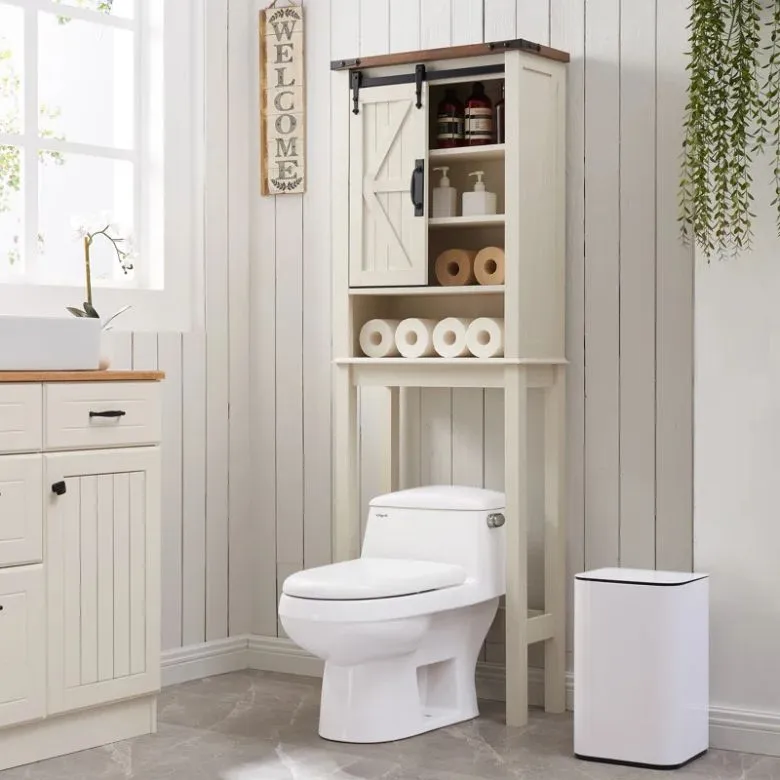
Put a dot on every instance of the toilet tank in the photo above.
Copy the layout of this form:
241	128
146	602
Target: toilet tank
442	523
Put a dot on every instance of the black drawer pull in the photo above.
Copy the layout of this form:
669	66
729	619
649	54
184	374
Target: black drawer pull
59	488
114	413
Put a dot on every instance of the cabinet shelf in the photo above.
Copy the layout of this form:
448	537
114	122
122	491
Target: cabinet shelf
467	154
479	220
470	289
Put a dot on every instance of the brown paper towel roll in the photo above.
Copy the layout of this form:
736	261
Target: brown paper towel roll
455	267
489	265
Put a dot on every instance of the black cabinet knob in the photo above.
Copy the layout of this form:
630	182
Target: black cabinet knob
59	488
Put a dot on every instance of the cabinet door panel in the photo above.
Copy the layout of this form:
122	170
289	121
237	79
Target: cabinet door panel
22	645
388	136
103	577
21	509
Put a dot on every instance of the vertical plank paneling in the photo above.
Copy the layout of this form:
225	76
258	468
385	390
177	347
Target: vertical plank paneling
568	33
500	19
120	349
240	170
105	576
637	284
137	572
674	307
435	19
374	27
145	351
71	581
468	439
121	558
262	381
494	440
170	361
289	380
88	553
602	284
405	25
216	240
467	22
316	301
344	28
194	488
533	20
436	437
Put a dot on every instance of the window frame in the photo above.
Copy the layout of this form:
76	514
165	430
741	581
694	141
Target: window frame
168	151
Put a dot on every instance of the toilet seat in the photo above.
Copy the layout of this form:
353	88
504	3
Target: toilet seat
372	578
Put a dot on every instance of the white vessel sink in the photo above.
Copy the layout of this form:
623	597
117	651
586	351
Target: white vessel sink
49	343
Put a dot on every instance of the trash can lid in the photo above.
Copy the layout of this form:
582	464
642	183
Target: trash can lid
641	576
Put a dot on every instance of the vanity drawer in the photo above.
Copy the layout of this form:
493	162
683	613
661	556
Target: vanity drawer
96	415
21	509
20	418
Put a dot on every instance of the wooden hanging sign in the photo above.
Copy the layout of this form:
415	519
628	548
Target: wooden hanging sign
282	101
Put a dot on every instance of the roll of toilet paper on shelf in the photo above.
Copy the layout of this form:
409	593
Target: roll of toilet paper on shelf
414	337
377	338
489	265
455	267
449	337
485	337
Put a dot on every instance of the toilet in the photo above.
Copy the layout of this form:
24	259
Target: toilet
401	627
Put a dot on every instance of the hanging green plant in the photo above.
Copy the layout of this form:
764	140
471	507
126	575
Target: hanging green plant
726	123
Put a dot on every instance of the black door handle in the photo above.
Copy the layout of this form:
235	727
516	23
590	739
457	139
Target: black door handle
417	188
113	413
59	488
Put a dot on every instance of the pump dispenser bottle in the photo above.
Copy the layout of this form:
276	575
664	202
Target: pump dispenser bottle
479	201
445	197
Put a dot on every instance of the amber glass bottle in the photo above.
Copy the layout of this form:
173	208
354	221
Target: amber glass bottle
449	122
479	117
501	118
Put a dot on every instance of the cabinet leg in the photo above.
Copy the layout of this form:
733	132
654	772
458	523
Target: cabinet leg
346	518
555	542
515	482
394	440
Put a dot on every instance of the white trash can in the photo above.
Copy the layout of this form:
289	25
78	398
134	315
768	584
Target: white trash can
641	667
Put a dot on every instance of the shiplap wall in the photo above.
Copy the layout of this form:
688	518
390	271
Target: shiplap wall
247	458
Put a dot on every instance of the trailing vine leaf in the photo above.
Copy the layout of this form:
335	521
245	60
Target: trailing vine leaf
771	103
725	124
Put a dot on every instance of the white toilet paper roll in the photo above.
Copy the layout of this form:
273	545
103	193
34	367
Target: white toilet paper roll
485	337
414	337
449	337
377	338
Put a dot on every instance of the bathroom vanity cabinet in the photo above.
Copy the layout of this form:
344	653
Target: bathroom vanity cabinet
384	248
79	560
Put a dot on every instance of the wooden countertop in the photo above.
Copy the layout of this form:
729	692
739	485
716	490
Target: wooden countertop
81	376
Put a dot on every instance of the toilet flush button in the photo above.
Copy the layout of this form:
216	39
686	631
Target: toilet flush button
495	520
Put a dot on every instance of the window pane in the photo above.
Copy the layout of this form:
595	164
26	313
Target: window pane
121	8
11	61
11	214
75	187
85	82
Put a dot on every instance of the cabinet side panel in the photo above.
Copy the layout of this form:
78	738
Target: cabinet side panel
536	198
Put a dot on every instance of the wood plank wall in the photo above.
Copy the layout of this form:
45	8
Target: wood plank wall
247	456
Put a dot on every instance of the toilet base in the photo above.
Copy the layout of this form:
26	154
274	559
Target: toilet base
396	698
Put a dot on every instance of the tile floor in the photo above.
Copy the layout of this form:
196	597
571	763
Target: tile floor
260	726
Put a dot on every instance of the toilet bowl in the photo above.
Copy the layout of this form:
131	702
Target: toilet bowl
400	628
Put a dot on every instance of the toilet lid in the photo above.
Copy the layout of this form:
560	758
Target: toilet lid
372	578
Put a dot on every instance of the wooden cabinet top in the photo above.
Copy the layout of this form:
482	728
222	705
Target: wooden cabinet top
81	376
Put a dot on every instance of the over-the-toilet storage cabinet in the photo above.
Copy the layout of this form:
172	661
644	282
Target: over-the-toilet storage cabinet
79	563
384	245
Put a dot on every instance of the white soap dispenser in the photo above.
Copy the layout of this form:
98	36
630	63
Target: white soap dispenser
445	197
479	201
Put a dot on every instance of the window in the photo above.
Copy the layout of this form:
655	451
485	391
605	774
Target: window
87	108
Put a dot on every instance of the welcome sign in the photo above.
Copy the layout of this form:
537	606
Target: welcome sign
282	101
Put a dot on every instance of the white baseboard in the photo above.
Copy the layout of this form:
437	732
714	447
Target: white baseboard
745	731
730	729
194	662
